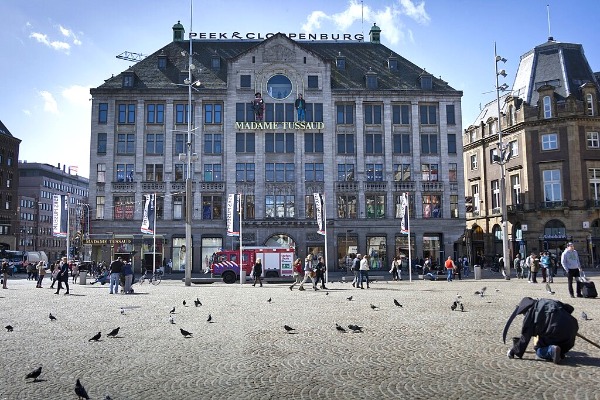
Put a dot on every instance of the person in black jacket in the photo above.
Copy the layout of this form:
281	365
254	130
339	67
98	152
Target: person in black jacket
257	272
320	272
551	321
63	276
300	105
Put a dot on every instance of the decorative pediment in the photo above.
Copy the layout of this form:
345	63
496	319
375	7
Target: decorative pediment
279	53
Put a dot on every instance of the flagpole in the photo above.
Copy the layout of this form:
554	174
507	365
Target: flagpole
241	262
154	237
325	230
409	247
68	225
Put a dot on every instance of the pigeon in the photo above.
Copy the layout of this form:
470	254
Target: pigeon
349	298
96	337
184	303
374	307
80	391
584	316
209	319
326	293
171	319
268	301
172	311
397	303
549	289
122	311
355	328
185	333
340	329
9	328
454	305
458	296
462	308
107	397
114	332
197	302
481	292
52	317
34	374
288	328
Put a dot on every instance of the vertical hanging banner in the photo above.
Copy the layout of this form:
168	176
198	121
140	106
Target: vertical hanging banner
404	214
233	212
319	213
60	215
149	214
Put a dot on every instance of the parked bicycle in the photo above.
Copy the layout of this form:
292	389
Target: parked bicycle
153	278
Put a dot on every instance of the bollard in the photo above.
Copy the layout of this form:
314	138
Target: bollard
477	269
82	276
242	276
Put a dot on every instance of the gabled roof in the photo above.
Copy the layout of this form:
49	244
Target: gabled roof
561	65
361	57
4	130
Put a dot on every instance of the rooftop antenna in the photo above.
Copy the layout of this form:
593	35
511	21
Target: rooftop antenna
550	38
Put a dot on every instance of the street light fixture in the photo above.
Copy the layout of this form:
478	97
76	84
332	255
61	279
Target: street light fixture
502	159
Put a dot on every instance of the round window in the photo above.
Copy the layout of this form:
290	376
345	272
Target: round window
279	86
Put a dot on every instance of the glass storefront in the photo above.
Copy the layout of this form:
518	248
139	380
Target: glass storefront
376	250
432	247
210	245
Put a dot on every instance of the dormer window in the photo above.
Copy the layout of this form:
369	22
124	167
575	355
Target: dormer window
589	103
340	62
393	63
183	76
426	82
371	79
162	62
128	79
547	107
215	62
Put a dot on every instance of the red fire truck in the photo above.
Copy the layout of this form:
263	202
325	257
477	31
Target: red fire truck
277	262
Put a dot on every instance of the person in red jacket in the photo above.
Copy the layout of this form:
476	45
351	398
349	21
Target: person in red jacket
450	267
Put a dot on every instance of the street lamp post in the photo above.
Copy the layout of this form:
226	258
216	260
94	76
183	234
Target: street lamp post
502	158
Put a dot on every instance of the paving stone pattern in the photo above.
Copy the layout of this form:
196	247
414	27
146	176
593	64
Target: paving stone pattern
423	350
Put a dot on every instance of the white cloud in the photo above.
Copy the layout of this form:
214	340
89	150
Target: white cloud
27	112
388	19
77	95
55	44
50	104
70	34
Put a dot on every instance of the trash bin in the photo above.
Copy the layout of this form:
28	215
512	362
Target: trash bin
82	277
243	276
477	269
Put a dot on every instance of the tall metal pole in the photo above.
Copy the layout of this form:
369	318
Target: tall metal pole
502	162
188	180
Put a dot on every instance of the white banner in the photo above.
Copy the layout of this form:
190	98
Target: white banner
60	215
149	214
319	213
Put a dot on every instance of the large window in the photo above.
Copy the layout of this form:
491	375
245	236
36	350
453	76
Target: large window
452	172
429	143
345	172
552	185
244	142
451	143
126	113
495	193
313	81
453	206
314	172
154	172
101	173
594	177
549	141
244	112
155	113
375	205
345	143
429	172
178	207
101	146
100	200
213	143
244	172
212	207
373	143
279	206
213	173
180	172
245	81
398	205
347	205
181	113
345	114
515	184
402	172
213	113
428	114
279	142
593	140
279	112
374	172
313	142
589	103
373	114
155	143
124	172
473	162
450	116
401	143
248	206
314	112
102	113
124	207
547	107
401	114
179	143
279	172
125	143
432	206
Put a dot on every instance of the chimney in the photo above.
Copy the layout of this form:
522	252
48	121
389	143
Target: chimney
58	165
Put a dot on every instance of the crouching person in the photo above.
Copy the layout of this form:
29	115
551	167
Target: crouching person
551	321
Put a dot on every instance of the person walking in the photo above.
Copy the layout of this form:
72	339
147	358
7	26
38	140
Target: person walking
5	267
116	267
364	271
546	267
534	267
517	266
466	269
298	271
395	267
450	267
320	272
41	268
74	271
257	272
308	273
570	263
128	272
356	269
63	276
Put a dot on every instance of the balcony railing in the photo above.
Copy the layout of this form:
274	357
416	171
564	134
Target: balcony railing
512	208
346	186
213	186
545	205
180	186
432	186
593	203
375	186
124	187
404	186
153	186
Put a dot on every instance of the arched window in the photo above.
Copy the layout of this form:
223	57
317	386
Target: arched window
280	240
497	232
554	229
589	99
477	233
547	107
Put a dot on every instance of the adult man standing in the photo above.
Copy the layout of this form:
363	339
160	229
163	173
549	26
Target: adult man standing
570	263
300	105
116	267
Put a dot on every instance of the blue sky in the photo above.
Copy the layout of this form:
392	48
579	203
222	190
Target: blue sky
54	51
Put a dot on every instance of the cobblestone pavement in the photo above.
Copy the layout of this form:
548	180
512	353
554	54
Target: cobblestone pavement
423	350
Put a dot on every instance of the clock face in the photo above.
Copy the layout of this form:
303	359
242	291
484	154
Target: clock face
279	87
